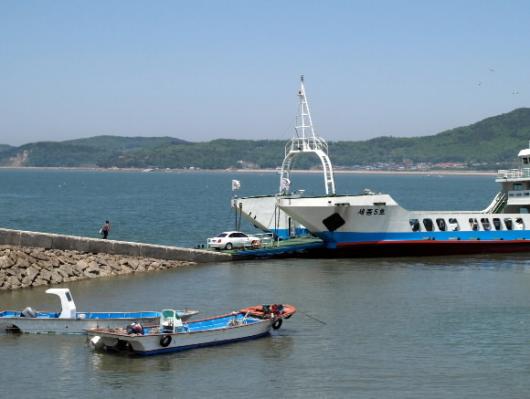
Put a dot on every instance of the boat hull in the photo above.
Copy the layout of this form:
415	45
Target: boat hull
85	321
246	324
422	248
262	213
64	326
375	225
146	345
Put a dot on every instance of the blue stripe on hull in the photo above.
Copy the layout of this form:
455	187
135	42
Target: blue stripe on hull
203	345
336	238
284	233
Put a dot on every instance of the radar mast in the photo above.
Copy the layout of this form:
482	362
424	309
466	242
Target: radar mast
306	140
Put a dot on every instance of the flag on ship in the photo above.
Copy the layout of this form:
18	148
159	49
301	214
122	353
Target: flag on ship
235	185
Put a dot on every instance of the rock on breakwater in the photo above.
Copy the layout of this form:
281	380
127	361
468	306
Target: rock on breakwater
22	267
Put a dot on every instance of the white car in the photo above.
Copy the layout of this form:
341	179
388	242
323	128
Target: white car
233	239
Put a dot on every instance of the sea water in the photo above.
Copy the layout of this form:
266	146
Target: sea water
436	327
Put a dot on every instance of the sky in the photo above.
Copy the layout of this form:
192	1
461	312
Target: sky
201	70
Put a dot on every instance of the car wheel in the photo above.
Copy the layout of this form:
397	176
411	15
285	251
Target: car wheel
229	246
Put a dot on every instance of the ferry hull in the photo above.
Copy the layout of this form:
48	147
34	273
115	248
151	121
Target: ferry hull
422	248
375	225
262	213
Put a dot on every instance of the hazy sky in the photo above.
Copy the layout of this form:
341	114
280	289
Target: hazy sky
200	70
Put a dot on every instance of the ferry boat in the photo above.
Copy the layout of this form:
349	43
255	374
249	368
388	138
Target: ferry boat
374	224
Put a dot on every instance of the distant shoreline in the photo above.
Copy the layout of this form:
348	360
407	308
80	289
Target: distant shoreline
336	172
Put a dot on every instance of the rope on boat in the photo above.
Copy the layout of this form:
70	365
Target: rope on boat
312	317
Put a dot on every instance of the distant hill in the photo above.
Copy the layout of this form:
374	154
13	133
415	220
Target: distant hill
216	154
493	140
123	144
489	144
4	147
93	151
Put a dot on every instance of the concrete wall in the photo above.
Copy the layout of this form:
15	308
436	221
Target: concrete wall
94	245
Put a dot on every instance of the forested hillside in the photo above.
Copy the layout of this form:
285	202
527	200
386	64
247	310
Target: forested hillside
491	143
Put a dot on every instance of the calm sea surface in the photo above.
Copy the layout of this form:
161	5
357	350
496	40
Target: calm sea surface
439	327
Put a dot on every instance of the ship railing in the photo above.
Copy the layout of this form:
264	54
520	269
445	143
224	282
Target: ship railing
497	204
513	173
306	144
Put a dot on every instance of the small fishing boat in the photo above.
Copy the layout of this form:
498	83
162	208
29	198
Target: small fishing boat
70	321
172	334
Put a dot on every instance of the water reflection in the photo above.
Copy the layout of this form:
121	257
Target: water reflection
277	346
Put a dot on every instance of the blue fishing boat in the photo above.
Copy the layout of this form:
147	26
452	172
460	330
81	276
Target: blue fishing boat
172	334
70	321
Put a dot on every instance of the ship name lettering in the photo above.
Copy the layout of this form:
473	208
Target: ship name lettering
372	211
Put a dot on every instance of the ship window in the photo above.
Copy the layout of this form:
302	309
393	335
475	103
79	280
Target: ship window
517	186
453	225
485	224
473	223
428	224
519	224
441	224
497	224
525	160
414	224
508	223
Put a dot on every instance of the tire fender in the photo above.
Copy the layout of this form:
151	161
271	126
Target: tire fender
277	324
165	340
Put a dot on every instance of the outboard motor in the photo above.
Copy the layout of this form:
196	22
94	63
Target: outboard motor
28	312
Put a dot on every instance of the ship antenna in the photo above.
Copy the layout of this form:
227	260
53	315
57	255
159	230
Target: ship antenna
306	141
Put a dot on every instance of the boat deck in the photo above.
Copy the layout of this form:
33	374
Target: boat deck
294	247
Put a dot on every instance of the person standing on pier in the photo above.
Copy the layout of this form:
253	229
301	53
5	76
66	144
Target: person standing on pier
105	229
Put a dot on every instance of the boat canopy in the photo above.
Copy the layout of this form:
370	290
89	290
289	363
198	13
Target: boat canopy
68	309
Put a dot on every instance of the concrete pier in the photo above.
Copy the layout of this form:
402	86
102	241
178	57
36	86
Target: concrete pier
20	238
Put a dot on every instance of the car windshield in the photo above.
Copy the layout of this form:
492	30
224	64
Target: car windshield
222	235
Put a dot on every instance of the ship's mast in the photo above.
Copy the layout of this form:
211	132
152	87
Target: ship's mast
306	141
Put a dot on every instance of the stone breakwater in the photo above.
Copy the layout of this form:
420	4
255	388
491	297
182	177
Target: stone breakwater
22	267
32	239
